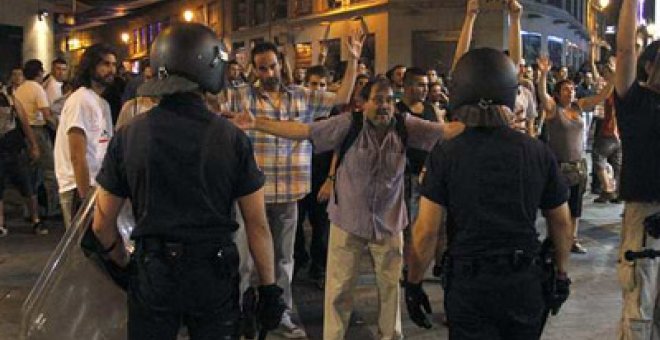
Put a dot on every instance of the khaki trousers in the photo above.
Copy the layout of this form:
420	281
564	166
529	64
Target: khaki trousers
640	318
344	252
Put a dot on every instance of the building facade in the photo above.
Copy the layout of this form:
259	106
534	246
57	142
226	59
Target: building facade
409	32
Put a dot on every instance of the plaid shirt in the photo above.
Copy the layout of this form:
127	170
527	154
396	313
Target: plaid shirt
286	163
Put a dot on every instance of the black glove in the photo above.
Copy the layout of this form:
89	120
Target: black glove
562	291
270	307
416	299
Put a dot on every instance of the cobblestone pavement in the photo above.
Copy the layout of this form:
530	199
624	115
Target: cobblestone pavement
591	312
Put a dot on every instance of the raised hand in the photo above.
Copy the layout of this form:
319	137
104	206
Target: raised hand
355	42
545	65
514	7
473	7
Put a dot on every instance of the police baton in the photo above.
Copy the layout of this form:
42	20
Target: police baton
642	254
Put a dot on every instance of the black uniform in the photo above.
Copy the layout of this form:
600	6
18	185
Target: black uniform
182	167
492	181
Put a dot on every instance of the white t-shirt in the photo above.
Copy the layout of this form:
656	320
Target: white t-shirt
53	89
86	110
525	108
33	97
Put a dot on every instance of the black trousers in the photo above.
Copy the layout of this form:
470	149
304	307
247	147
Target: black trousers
496	302
311	208
173	284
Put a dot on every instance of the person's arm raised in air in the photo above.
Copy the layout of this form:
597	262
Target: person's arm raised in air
547	102
354	47
515	48
465	38
626	60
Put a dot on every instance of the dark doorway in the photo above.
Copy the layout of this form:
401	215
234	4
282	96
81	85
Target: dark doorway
11	45
432	51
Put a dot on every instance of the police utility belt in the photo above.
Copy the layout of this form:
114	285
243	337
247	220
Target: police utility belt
498	263
574	172
177	250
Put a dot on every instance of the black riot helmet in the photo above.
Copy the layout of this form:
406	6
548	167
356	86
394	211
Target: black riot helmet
186	57
484	75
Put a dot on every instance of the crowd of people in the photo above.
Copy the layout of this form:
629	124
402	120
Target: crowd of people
413	165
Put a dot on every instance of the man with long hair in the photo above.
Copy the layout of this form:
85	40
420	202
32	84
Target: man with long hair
85	128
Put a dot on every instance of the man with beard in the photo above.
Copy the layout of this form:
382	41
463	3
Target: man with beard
638	120
287	163
367	208
85	128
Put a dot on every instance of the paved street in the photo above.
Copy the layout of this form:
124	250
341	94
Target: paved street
591	312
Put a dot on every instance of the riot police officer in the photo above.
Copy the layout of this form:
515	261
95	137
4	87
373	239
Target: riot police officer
182	168
490	180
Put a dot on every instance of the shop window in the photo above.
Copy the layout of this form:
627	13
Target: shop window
281	9
240	14
259	10
531	47
368	55
303	55
333	61
555	51
303	7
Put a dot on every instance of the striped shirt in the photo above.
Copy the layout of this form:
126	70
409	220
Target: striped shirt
286	163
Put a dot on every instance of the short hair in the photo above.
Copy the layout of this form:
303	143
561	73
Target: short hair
32	68
59	61
557	90
411	73
361	76
390	72
648	55
379	83
317	70
144	64
88	62
264	47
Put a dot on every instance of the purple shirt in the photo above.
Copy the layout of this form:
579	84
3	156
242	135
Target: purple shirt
370	178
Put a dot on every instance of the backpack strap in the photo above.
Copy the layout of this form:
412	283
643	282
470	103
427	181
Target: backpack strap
357	121
400	125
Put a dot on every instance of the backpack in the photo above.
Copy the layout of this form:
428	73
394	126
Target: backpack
11	135
357	121
7	115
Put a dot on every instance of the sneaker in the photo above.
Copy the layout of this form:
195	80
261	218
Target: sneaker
3	231
577	248
290	330
39	228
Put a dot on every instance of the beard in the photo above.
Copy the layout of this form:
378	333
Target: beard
104	81
270	83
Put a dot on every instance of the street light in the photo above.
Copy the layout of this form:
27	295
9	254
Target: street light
125	37
603	3
188	15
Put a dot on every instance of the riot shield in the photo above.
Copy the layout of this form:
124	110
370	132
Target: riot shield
73	297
